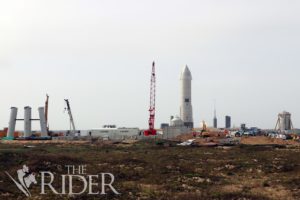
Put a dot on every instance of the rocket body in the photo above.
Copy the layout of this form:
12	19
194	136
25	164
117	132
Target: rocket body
186	110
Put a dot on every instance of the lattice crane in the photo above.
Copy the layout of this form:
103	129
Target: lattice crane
151	130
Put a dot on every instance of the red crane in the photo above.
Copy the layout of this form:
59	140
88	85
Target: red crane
151	130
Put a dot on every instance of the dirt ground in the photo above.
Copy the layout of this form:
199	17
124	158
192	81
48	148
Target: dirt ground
259	140
157	169
251	140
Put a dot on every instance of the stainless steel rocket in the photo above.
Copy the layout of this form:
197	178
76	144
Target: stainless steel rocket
186	110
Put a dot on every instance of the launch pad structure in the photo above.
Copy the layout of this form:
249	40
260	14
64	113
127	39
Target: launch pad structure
27	122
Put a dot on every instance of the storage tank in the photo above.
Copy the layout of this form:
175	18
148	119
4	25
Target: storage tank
171	118
12	122
227	121
176	121
27	121
285	122
43	122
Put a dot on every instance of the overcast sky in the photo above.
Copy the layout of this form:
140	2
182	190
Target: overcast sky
98	53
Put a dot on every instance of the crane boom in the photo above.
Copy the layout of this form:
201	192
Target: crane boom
72	124
46	110
151	130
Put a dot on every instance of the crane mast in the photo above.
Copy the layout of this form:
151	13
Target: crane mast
72	124
151	130
46	110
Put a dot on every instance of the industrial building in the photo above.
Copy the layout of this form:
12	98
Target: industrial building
176	128
215	120
227	122
178	125
114	133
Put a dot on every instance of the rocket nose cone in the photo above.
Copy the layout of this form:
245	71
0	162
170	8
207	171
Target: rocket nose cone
186	73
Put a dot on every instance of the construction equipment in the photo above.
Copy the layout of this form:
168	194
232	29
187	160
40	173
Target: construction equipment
204	126
46	111
72	124
151	130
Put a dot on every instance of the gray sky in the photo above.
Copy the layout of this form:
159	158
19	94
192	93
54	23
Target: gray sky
98	53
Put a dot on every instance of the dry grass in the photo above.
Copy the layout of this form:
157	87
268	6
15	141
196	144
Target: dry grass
146	170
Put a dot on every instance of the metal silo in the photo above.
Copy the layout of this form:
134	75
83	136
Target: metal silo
27	121
43	122
285	122
12	122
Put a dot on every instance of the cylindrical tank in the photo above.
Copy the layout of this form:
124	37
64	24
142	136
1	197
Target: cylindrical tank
27	121
285	121
12	122
43	122
176	121
171	117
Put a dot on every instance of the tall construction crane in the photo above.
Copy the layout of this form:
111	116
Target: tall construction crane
72	124
151	130
46	111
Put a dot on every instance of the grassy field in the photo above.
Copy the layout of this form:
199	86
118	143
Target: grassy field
151	170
